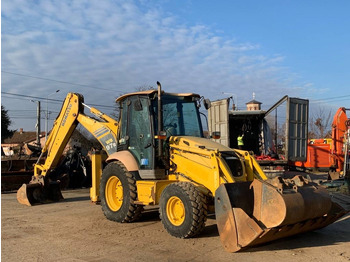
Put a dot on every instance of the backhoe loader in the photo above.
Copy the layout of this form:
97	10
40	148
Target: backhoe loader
156	155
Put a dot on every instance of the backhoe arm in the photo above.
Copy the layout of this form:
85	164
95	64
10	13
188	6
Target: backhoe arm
72	113
41	188
61	132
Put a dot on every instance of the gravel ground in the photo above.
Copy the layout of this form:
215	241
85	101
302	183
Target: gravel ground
76	230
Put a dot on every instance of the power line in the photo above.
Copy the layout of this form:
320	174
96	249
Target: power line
58	102
48	99
33	97
22	110
336	98
31	118
329	98
59	81
323	100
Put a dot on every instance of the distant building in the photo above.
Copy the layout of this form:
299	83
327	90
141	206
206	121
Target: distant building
18	143
253	105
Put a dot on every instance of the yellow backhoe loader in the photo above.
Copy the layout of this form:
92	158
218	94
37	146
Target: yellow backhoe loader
157	156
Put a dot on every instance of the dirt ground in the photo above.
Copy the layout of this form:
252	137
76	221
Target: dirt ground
76	230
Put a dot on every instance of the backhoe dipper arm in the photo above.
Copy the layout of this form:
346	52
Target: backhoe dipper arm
62	130
71	114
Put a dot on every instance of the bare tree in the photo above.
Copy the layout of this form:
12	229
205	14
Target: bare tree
320	123
115	113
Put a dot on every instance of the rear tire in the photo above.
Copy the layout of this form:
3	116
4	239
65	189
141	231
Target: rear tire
183	210
118	194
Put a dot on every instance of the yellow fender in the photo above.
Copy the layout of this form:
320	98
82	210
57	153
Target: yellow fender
126	158
123	156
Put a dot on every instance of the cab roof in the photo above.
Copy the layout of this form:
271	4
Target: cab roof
150	92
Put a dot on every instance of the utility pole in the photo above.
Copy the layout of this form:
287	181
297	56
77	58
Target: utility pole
276	127
37	122
38	125
47	113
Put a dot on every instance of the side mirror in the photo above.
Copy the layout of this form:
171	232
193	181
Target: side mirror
207	103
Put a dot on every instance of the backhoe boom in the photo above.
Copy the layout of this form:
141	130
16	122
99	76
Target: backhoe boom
71	114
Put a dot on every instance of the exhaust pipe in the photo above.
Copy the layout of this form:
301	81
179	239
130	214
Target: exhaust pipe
160	121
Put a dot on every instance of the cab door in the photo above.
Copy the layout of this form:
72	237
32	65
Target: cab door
139	132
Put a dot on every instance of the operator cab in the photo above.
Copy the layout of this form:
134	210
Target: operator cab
139	127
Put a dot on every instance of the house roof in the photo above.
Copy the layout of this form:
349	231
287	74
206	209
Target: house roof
22	137
253	102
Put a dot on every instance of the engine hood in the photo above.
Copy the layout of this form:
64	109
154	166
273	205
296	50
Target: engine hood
197	143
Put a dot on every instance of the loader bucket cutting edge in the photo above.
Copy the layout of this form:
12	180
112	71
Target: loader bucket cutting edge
34	193
252	213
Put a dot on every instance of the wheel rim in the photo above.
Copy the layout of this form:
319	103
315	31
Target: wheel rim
175	211
114	193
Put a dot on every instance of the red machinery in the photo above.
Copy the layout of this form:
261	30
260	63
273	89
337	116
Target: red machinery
330	153
340	127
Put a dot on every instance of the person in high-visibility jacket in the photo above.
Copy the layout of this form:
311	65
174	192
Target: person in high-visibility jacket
240	141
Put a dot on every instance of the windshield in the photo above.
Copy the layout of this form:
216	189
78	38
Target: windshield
180	116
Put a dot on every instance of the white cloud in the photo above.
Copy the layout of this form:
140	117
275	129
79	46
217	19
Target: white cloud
121	45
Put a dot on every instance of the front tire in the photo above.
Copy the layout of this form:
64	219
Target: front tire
183	210
118	194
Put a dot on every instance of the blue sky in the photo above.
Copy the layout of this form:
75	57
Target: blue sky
103	49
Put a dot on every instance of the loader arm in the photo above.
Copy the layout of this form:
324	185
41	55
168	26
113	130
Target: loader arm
210	164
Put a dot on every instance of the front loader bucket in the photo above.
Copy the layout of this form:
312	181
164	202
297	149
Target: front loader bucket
252	213
33	193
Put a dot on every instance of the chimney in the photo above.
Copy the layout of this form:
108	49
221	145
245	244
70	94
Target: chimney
21	130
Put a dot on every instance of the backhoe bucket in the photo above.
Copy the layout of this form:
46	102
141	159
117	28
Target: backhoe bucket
33	193
252	213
